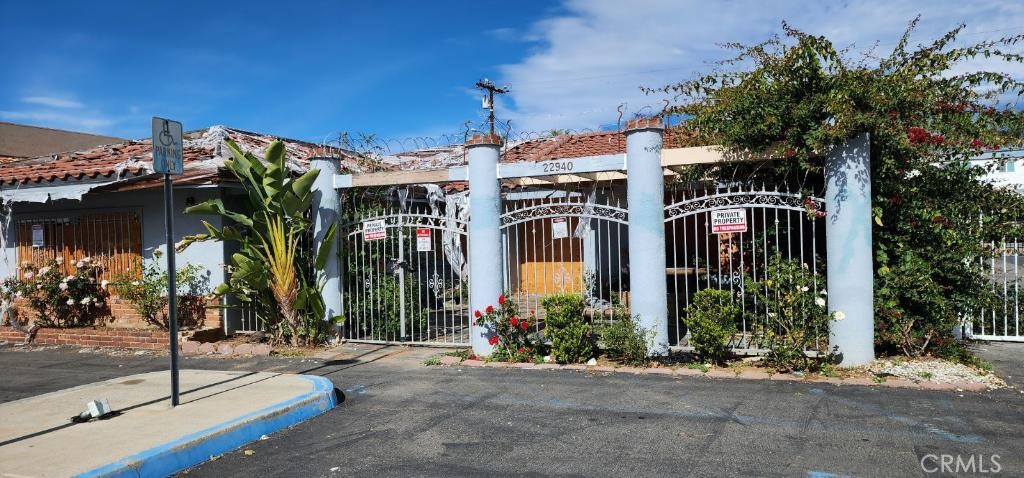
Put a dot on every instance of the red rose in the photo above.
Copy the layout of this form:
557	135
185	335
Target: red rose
476	313
490	308
514	321
493	340
501	299
524	325
522	350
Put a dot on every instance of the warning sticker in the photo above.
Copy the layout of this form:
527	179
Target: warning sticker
724	221
423	242
559	228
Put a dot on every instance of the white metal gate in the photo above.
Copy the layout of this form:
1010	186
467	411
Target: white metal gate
567	239
1002	320
405	277
776	222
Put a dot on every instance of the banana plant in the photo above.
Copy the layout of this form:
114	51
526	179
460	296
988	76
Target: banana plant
267	271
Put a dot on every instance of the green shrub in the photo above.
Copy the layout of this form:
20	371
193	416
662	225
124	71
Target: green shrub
569	332
711	320
928	106
513	339
626	340
791	315
59	300
146	289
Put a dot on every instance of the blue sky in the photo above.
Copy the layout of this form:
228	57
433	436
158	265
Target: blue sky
401	68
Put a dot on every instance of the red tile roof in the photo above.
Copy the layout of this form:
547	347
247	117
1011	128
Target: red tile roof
587	144
132	159
103	161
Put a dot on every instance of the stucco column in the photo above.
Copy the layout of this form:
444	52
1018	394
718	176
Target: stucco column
848	245
485	250
646	196
326	211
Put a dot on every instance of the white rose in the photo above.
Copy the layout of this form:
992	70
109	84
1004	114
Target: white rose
63	286
17	294
804	289
99	304
839	315
104	283
820	301
135	282
44	270
85	301
86	259
823	292
71	301
79	264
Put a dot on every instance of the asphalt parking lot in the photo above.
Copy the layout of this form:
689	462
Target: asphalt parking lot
401	418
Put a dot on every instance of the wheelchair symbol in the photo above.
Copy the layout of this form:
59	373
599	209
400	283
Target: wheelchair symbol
165	136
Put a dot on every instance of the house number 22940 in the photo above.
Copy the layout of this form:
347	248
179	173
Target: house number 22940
558	166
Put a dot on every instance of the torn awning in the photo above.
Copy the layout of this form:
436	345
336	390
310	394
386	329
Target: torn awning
43	194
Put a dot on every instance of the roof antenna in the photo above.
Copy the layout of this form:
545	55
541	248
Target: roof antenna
488	101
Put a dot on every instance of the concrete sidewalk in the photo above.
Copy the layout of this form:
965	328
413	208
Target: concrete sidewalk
219	411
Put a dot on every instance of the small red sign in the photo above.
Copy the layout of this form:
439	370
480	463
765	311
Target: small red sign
423	243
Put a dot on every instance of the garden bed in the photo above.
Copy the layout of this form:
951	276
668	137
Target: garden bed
926	373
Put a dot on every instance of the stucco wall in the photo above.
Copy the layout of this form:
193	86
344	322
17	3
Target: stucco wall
149	204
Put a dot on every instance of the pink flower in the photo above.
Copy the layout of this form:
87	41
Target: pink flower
29	275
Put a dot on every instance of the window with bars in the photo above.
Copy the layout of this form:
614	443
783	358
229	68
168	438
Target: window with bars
111	239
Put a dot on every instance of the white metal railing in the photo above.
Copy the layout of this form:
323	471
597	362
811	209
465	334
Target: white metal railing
777	222
1002	320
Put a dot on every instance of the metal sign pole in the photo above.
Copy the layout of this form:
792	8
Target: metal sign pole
168	158
172	289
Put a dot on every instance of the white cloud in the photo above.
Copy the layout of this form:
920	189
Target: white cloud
597	55
86	122
51	101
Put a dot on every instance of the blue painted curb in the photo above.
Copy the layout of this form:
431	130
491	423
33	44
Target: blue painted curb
198	447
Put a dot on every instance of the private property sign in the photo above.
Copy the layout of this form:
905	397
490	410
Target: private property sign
374	230
724	221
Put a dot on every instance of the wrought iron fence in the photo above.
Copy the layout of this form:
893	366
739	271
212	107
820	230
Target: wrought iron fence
1001	320
567	239
405	274
724	238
